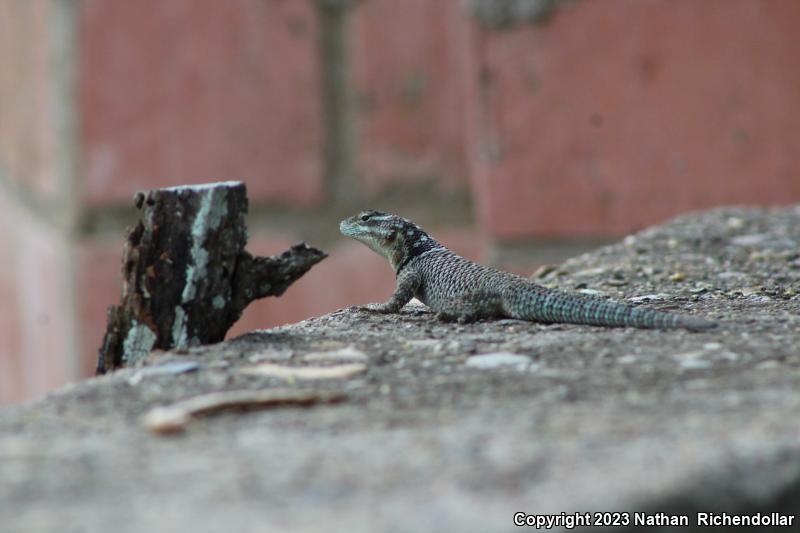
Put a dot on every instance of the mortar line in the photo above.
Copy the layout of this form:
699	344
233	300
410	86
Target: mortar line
63	44
339	143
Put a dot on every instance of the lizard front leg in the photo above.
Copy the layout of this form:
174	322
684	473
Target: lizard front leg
407	284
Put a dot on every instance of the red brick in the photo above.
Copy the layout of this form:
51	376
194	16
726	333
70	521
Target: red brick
40	345
408	74
190	91
619	114
27	132
10	372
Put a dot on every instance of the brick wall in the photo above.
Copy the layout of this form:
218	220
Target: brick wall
500	125
631	111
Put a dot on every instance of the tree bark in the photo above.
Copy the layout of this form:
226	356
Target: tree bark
186	275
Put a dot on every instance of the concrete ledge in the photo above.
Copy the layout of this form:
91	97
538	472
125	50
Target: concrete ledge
426	438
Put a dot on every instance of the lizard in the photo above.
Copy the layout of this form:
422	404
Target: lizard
461	290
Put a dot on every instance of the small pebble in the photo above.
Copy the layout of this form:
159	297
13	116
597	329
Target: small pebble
543	271
729	275
750	291
345	354
426	343
270	355
649	297
168	369
735	223
748	240
591	272
164	420
695	363
499	359
591	292
677	276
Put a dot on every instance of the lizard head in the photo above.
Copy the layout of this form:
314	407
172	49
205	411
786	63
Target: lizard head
395	238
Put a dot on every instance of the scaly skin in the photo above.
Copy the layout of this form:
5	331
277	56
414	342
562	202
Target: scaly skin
458	289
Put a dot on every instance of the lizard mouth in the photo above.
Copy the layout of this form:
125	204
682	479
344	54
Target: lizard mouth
345	228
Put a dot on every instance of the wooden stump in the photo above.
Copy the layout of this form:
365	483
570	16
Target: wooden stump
186	276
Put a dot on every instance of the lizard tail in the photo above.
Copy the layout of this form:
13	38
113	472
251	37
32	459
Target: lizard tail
540	304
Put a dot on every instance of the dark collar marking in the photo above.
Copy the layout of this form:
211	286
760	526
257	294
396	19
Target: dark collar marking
417	242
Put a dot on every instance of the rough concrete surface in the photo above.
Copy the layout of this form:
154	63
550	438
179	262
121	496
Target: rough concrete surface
438	434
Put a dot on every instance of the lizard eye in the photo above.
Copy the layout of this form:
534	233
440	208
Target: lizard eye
364	217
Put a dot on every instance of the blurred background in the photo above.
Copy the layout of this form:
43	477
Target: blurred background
518	132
